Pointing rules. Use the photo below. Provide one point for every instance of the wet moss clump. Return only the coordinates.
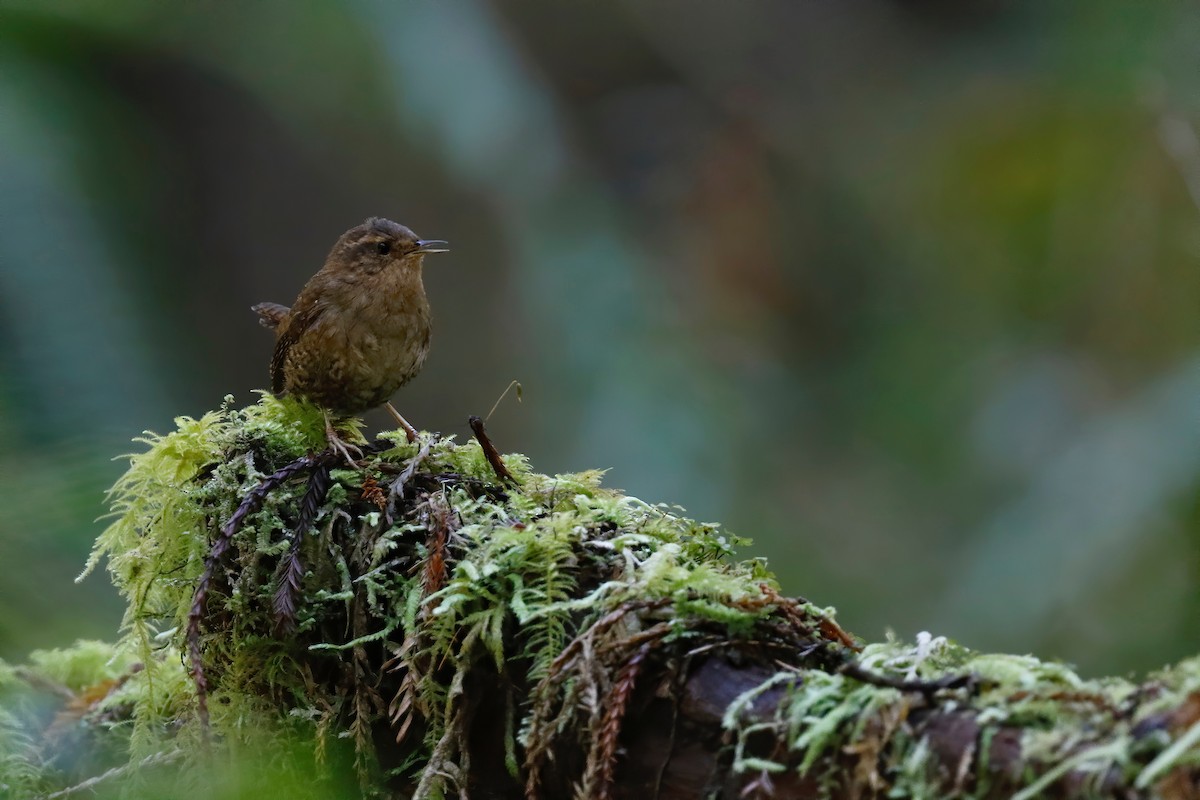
(413, 571)
(430, 622)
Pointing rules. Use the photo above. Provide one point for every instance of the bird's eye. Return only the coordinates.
(383, 248)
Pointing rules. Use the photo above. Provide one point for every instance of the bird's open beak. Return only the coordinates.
(432, 246)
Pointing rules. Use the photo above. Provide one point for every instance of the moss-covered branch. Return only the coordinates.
(416, 626)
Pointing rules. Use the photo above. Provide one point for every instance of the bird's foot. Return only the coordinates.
(341, 445)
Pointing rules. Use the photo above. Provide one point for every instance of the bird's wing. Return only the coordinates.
(289, 334)
(270, 315)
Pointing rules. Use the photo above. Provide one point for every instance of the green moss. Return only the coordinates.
(544, 591)
(526, 569)
(1092, 729)
(85, 664)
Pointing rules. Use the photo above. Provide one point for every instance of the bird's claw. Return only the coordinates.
(343, 447)
(347, 449)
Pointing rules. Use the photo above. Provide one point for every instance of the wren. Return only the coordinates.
(360, 327)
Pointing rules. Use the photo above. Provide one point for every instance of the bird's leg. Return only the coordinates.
(341, 445)
(408, 428)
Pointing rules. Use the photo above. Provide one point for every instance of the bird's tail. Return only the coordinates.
(270, 315)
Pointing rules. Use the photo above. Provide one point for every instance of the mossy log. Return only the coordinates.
(440, 621)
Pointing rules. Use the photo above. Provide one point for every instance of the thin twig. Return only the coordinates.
(165, 757)
(489, 450)
(396, 490)
(853, 669)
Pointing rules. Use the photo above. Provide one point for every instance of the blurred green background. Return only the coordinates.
(904, 291)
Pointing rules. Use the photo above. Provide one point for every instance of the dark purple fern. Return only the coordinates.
(291, 567)
(251, 503)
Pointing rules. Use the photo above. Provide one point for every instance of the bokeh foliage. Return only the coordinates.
(904, 290)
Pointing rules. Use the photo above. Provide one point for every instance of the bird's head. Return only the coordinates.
(380, 244)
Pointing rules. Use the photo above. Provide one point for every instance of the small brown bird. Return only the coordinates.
(360, 328)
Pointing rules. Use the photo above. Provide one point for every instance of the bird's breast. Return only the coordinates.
(363, 349)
